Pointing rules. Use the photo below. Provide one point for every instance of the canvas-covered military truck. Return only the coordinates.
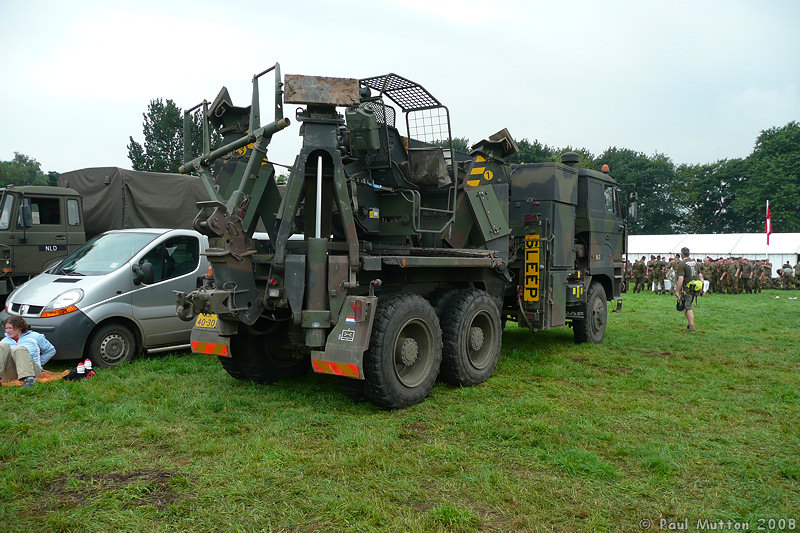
(41, 225)
(410, 256)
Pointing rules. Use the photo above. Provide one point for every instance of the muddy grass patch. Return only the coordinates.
(159, 488)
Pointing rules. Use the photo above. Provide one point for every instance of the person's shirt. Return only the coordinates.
(38, 346)
(688, 269)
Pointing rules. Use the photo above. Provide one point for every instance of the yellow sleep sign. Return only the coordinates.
(531, 281)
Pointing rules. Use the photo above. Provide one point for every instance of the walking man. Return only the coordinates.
(685, 292)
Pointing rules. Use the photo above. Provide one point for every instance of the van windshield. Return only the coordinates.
(103, 254)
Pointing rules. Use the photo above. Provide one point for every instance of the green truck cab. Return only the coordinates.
(39, 226)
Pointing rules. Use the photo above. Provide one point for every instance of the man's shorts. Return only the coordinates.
(686, 299)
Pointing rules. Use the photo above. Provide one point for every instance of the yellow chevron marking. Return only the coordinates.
(480, 159)
(473, 183)
(478, 170)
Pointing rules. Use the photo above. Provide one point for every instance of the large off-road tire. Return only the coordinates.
(592, 328)
(405, 351)
(112, 345)
(440, 299)
(263, 358)
(355, 389)
(472, 334)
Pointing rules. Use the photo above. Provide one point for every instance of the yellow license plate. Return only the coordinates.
(206, 321)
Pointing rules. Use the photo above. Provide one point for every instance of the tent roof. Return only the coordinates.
(715, 244)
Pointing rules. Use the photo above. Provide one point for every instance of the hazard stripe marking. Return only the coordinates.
(338, 369)
(210, 348)
(473, 183)
(478, 170)
(480, 159)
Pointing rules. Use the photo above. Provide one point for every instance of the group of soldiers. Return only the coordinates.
(725, 276)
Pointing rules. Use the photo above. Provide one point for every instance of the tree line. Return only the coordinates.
(726, 196)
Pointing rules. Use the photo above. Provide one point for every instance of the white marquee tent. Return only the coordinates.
(782, 246)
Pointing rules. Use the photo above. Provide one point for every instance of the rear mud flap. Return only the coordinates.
(349, 339)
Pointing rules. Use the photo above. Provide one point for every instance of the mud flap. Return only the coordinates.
(212, 336)
(348, 340)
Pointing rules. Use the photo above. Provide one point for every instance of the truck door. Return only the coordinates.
(74, 227)
(41, 241)
(176, 265)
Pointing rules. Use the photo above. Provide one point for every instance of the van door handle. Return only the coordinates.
(61, 237)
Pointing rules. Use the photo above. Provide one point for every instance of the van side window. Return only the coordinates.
(5, 211)
(73, 213)
(174, 257)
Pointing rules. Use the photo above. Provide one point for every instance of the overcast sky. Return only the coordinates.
(695, 80)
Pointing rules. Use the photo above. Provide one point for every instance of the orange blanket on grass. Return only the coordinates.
(44, 378)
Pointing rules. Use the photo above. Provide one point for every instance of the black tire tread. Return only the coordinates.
(379, 389)
(582, 327)
(455, 369)
(93, 345)
(253, 359)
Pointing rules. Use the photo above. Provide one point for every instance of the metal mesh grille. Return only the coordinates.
(429, 125)
(383, 113)
(408, 95)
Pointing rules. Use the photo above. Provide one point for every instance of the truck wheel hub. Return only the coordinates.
(409, 351)
(475, 338)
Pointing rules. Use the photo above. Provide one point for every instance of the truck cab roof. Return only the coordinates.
(41, 189)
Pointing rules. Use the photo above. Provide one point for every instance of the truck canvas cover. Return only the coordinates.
(116, 198)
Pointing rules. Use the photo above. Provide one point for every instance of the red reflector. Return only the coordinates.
(531, 218)
(358, 307)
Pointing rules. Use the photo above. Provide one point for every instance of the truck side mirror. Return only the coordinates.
(143, 273)
(26, 215)
(633, 206)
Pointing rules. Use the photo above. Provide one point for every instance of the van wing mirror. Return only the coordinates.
(143, 273)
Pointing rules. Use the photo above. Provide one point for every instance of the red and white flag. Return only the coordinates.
(768, 225)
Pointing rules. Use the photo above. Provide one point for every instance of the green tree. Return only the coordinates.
(24, 170)
(774, 174)
(706, 195)
(162, 150)
(652, 178)
(533, 152)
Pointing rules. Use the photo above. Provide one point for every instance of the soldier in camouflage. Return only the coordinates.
(688, 271)
(639, 274)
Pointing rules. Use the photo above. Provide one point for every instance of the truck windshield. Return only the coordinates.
(104, 254)
(6, 204)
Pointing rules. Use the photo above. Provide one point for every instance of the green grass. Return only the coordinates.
(652, 423)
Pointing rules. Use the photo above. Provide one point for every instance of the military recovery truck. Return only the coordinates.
(40, 225)
(392, 259)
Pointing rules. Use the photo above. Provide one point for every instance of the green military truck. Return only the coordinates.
(392, 259)
(41, 225)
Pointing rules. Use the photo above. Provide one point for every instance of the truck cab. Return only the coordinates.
(39, 226)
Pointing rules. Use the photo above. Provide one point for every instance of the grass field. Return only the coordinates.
(651, 424)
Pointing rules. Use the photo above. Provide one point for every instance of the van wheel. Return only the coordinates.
(112, 345)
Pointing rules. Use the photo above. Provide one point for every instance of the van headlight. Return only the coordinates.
(63, 303)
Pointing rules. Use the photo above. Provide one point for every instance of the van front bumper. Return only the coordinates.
(68, 333)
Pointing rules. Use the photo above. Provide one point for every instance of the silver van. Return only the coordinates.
(114, 296)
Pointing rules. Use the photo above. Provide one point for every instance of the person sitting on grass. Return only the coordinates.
(23, 352)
